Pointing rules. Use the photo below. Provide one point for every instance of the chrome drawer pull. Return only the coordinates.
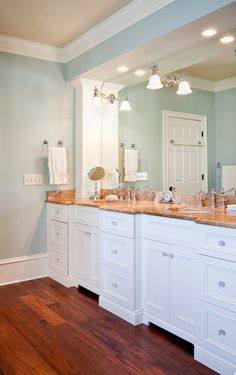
(88, 233)
(221, 284)
(58, 259)
(57, 212)
(221, 243)
(58, 234)
(221, 332)
(114, 252)
(114, 223)
(164, 254)
(171, 256)
(114, 285)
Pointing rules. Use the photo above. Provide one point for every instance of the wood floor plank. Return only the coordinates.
(46, 328)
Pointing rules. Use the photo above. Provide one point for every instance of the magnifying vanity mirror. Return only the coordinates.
(96, 174)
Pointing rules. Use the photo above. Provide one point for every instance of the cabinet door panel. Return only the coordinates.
(156, 279)
(183, 296)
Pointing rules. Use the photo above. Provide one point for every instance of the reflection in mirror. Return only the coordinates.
(96, 174)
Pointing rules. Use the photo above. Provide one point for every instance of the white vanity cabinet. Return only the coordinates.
(119, 261)
(216, 340)
(57, 242)
(169, 274)
(85, 247)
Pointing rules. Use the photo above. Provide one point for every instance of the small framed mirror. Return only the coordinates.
(96, 174)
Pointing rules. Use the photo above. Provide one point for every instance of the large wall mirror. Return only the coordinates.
(210, 66)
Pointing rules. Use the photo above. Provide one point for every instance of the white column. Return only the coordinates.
(96, 136)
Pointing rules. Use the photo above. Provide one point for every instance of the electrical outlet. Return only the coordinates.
(142, 176)
(32, 179)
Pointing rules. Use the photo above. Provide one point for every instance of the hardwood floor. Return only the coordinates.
(46, 328)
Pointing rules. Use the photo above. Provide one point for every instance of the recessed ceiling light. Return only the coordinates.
(227, 39)
(122, 69)
(139, 72)
(209, 32)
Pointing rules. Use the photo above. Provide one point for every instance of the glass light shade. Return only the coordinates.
(96, 101)
(184, 88)
(154, 82)
(125, 106)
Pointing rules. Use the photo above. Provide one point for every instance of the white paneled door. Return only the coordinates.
(184, 151)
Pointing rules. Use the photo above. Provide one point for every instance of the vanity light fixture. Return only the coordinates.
(227, 39)
(209, 32)
(98, 95)
(157, 80)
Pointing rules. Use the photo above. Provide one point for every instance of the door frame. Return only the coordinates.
(165, 155)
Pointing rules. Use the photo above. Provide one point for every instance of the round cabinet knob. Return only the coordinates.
(221, 332)
(58, 234)
(171, 256)
(221, 243)
(114, 251)
(164, 254)
(221, 284)
(115, 285)
(114, 223)
(57, 212)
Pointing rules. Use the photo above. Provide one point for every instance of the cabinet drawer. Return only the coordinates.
(57, 234)
(57, 212)
(118, 251)
(84, 215)
(218, 331)
(168, 230)
(217, 281)
(58, 261)
(221, 243)
(117, 286)
(117, 223)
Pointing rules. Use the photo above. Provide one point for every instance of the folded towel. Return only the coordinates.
(228, 177)
(57, 165)
(131, 165)
(231, 207)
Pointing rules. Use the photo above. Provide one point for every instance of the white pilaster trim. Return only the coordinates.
(125, 17)
(23, 268)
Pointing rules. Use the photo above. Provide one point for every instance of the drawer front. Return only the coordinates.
(58, 261)
(117, 223)
(57, 233)
(217, 280)
(57, 212)
(117, 286)
(84, 215)
(168, 230)
(118, 251)
(222, 242)
(218, 331)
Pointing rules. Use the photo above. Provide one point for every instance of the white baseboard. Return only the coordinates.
(214, 362)
(133, 317)
(14, 270)
(66, 281)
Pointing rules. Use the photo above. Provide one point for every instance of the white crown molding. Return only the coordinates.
(30, 49)
(214, 86)
(225, 84)
(125, 17)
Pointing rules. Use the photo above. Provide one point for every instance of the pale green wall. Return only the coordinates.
(143, 126)
(225, 110)
(35, 104)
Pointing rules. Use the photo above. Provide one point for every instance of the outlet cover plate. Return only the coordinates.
(32, 179)
(142, 176)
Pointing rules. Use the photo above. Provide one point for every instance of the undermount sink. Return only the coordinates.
(188, 210)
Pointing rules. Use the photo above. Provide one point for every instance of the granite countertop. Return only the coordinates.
(216, 216)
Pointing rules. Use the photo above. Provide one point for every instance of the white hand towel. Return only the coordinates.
(57, 165)
(228, 177)
(131, 164)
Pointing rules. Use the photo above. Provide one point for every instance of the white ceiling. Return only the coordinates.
(184, 49)
(54, 22)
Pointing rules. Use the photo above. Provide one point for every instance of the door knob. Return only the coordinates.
(172, 188)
